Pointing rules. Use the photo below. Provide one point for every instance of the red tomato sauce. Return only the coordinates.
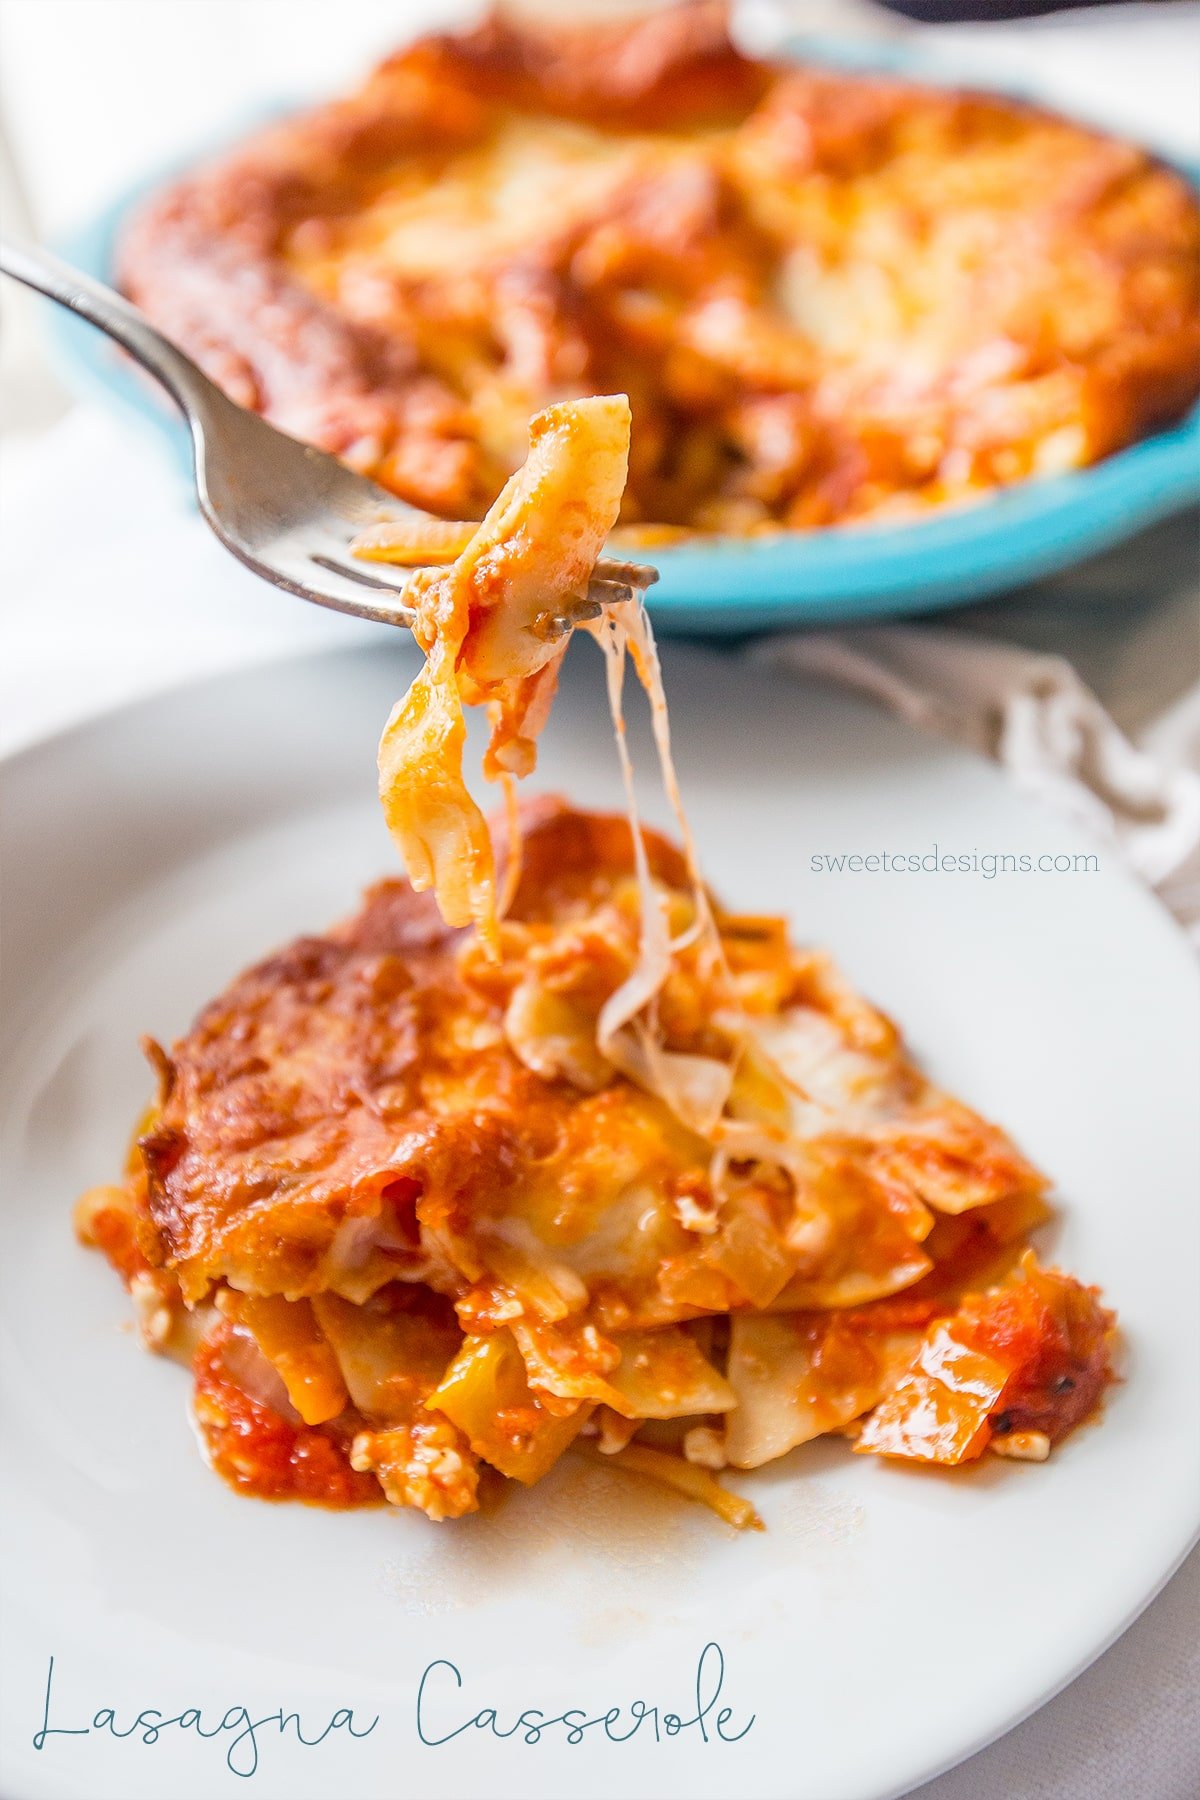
(112, 1231)
(259, 1452)
(1054, 1336)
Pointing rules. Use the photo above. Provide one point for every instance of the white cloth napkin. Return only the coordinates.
(1033, 715)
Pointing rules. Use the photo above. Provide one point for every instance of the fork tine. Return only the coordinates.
(364, 576)
(611, 583)
(608, 593)
(626, 574)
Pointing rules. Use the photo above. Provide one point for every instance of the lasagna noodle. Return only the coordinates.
(487, 625)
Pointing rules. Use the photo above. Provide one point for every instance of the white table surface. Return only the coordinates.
(110, 588)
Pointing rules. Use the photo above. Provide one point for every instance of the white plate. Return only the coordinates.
(888, 1622)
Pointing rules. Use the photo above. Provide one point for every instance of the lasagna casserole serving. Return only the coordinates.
(545, 1151)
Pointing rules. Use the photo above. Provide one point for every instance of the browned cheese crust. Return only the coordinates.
(829, 296)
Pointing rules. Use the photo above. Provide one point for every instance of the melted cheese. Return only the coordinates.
(530, 180)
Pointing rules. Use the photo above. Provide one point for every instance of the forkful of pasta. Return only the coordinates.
(305, 522)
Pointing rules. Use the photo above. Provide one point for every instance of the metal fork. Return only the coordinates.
(284, 509)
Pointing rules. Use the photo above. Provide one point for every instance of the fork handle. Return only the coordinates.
(111, 313)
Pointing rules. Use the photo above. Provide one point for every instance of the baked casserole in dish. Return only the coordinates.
(830, 296)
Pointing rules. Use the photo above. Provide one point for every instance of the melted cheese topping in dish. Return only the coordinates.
(545, 1150)
(829, 296)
